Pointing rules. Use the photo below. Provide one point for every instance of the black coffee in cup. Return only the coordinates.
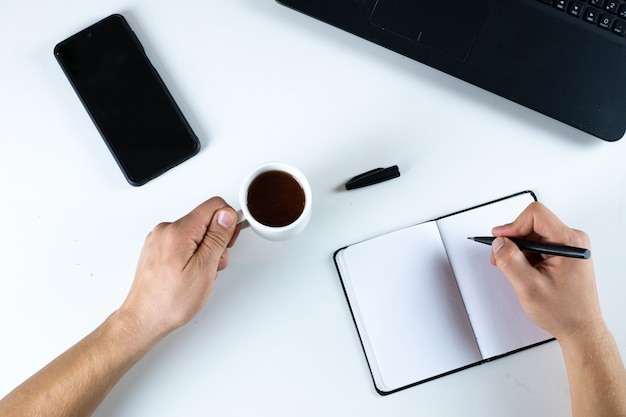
(275, 198)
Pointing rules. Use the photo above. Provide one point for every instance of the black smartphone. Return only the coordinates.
(127, 100)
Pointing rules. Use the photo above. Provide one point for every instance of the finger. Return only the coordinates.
(537, 222)
(223, 262)
(533, 258)
(199, 219)
(512, 262)
(235, 236)
(212, 250)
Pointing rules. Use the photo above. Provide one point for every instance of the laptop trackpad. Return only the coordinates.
(447, 26)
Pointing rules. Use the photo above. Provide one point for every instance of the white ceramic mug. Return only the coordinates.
(275, 232)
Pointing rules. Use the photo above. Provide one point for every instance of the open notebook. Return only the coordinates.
(426, 301)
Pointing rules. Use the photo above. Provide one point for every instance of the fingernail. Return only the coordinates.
(497, 244)
(225, 219)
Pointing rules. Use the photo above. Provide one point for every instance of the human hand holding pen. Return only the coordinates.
(560, 295)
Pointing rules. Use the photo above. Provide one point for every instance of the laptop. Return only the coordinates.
(563, 58)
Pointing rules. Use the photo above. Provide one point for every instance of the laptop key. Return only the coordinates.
(619, 28)
(597, 3)
(611, 6)
(576, 8)
(622, 11)
(606, 21)
(591, 15)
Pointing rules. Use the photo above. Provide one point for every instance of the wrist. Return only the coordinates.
(586, 340)
(144, 333)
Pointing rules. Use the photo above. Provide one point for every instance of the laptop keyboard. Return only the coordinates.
(607, 14)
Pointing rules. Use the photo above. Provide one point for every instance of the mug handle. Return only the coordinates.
(241, 219)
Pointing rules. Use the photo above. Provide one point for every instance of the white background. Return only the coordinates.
(261, 82)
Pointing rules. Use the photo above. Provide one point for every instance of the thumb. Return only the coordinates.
(218, 235)
(510, 260)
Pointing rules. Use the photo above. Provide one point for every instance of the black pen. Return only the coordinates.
(544, 248)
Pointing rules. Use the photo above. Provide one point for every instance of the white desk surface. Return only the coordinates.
(261, 82)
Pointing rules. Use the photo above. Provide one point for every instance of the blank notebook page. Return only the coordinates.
(407, 306)
(499, 322)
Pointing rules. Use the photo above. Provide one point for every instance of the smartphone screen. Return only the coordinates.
(127, 100)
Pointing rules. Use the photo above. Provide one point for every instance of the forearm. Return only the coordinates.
(596, 374)
(75, 383)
